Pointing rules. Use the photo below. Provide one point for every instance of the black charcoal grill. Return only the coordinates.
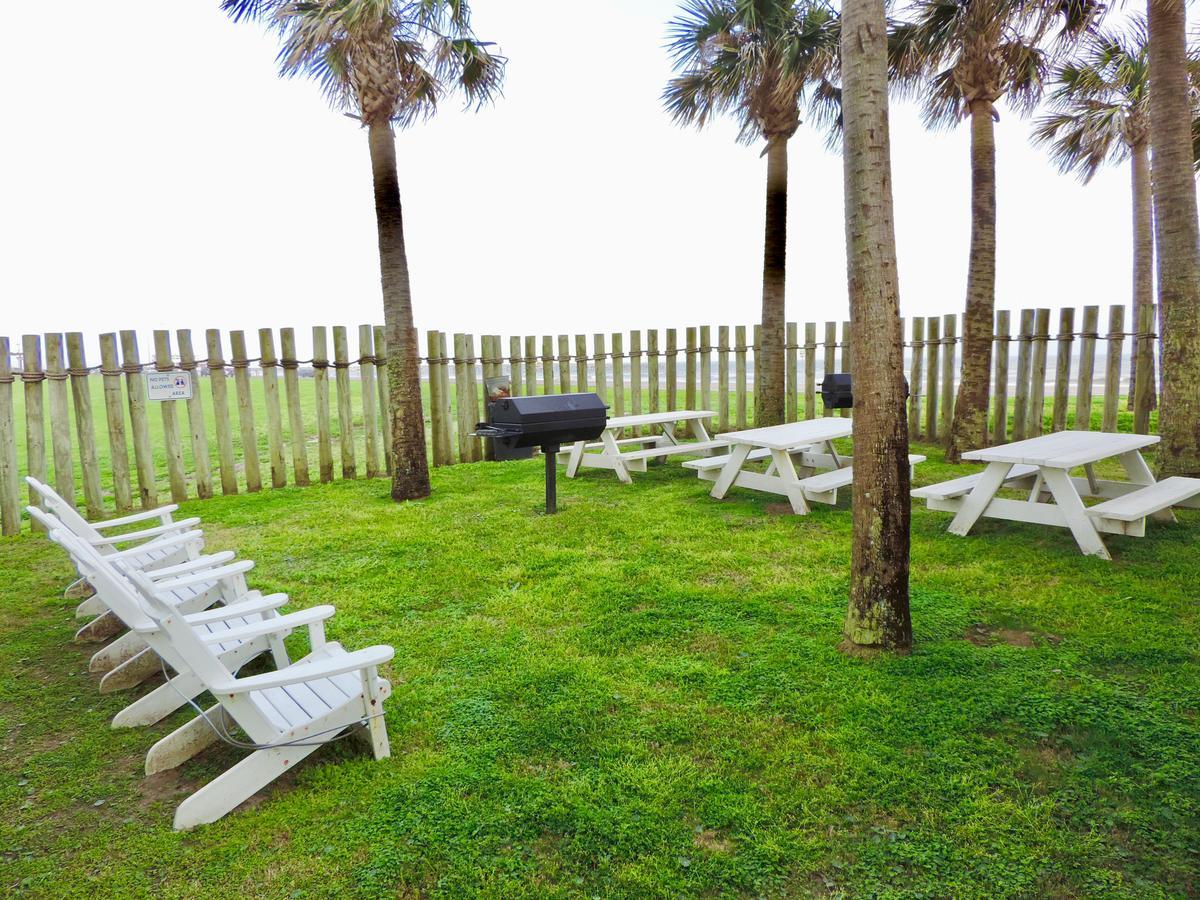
(548, 422)
(837, 391)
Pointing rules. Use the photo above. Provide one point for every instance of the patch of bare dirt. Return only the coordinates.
(779, 509)
(985, 636)
(712, 841)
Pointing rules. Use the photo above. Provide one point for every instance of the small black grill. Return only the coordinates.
(837, 391)
(548, 422)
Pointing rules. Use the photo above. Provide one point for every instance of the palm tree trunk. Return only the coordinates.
(968, 430)
(1174, 188)
(1143, 256)
(878, 615)
(768, 364)
(410, 468)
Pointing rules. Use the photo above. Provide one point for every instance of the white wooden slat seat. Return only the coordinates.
(823, 487)
(957, 487)
(717, 462)
(675, 449)
(1145, 501)
(286, 715)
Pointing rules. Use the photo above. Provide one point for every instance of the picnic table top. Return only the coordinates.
(791, 434)
(660, 418)
(1064, 449)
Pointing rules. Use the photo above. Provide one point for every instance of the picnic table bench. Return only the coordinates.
(1043, 466)
(610, 451)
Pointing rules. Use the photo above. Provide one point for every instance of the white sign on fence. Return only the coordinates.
(169, 385)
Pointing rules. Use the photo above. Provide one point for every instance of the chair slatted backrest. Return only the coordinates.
(66, 513)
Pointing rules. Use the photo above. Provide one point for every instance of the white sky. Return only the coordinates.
(159, 174)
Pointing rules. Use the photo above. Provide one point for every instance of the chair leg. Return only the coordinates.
(159, 703)
(99, 629)
(186, 741)
(376, 727)
(91, 607)
(132, 672)
(237, 785)
(78, 590)
(125, 647)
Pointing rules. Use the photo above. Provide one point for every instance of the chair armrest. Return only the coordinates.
(181, 525)
(272, 625)
(302, 671)
(163, 513)
(253, 603)
(163, 543)
(200, 562)
(205, 577)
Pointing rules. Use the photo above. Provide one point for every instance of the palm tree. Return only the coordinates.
(961, 57)
(1178, 237)
(878, 615)
(387, 63)
(755, 59)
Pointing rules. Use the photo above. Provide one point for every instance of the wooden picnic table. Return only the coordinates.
(610, 451)
(1043, 466)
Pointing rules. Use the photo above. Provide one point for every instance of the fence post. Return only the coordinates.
(706, 369)
(933, 341)
(756, 350)
(810, 370)
(915, 373)
(1036, 421)
(461, 389)
(792, 382)
(114, 414)
(320, 364)
(1002, 352)
(164, 362)
(601, 366)
(135, 389)
(240, 362)
(1087, 365)
(635, 372)
(385, 393)
(652, 367)
(291, 384)
(564, 365)
(10, 497)
(345, 403)
(447, 428)
(672, 372)
(1143, 390)
(739, 351)
(1021, 411)
(530, 365)
(516, 374)
(581, 363)
(60, 418)
(366, 379)
(1062, 368)
(723, 378)
(85, 427)
(689, 369)
(949, 346)
(220, 398)
(197, 433)
(618, 373)
(439, 406)
(270, 377)
(32, 378)
(1112, 374)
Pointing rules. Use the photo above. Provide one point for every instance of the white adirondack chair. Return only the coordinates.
(236, 633)
(148, 552)
(286, 714)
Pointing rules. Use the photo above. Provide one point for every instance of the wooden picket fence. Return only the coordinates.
(635, 372)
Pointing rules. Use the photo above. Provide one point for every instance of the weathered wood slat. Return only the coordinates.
(916, 370)
(473, 398)
(672, 369)
(792, 382)
(345, 402)
(114, 415)
(1062, 368)
(85, 427)
(1003, 347)
(164, 362)
(756, 357)
(320, 364)
(1143, 389)
(1087, 365)
(197, 432)
(370, 410)
(705, 369)
(270, 377)
(618, 373)
(531, 385)
(1024, 365)
(32, 379)
(635, 371)
(447, 420)
(600, 361)
(564, 364)
(653, 364)
(949, 370)
(239, 359)
(1112, 369)
(516, 371)
(847, 361)
(220, 397)
(689, 368)
(439, 406)
(60, 417)
(1037, 377)
(933, 342)
(740, 350)
(291, 386)
(10, 492)
(723, 378)
(135, 390)
(581, 363)
(810, 370)
(384, 389)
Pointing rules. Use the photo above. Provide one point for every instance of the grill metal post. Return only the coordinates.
(550, 451)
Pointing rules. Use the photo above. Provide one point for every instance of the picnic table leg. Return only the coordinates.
(1093, 486)
(575, 459)
(1036, 491)
(981, 495)
(698, 430)
(729, 472)
(1069, 501)
(612, 451)
(791, 483)
(1139, 473)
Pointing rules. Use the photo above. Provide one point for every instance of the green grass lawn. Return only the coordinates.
(642, 697)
